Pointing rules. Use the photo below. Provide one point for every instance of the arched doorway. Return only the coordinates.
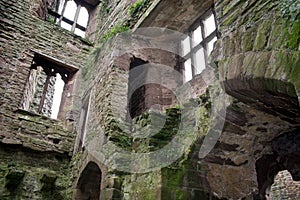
(89, 183)
(284, 187)
(286, 156)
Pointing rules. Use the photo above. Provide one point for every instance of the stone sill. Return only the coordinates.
(26, 112)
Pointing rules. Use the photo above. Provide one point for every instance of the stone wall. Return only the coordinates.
(249, 58)
(35, 150)
(107, 81)
(22, 32)
(256, 57)
(284, 187)
(260, 40)
(39, 80)
(27, 174)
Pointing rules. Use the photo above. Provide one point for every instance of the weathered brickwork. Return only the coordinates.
(252, 62)
(257, 41)
(39, 80)
(256, 58)
(28, 174)
(35, 150)
(258, 62)
(22, 32)
(19, 36)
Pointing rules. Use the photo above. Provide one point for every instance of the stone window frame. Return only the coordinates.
(61, 18)
(203, 44)
(51, 66)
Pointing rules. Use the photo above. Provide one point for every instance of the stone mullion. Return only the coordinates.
(62, 12)
(204, 44)
(44, 93)
(76, 18)
(192, 53)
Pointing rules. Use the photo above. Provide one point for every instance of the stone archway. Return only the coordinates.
(89, 183)
(279, 134)
(284, 187)
(286, 156)
(260, 138)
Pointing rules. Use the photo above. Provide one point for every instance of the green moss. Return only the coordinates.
(294, 36)
(138, 7)
(122, 141)
(248, 40)
(145, 186)
(230, 19)
(136, 11)
(230, 7)
(51, 20)
(34, 177)
(118, 28)
(263, 33)
(295, 74)
(278, 34)
(13, 179)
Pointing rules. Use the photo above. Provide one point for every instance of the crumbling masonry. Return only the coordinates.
(111, 96)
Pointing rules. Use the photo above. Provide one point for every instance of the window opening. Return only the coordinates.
(73, 15)
(89, 183)
(47, 85)
(58, 90)
(137, 98)
(68, 12)
(83, 120)
(197, 47)
(82, 21)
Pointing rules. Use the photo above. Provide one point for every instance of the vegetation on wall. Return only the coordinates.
(143, 124)
(118, 28)
(136, 10)
(137, 7)
(290, 9)
(105, 6)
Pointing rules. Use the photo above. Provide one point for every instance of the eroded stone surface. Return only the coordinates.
(256, 57)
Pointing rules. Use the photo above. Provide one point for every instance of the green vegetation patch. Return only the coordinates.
(118, 28)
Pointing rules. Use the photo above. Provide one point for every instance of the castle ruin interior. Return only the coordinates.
(149, 99)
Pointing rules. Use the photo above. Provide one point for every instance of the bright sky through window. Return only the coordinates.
(197, 47)
(59, 87)
(69, 13)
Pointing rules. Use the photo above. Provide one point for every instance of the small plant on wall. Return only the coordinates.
(137, 9)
